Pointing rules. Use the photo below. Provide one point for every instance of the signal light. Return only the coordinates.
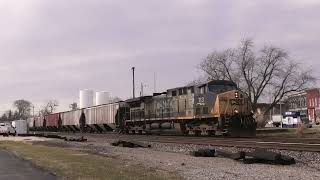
(236, 94)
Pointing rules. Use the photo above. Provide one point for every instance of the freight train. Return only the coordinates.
(217, 107)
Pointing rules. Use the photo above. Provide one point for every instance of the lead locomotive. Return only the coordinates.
(214, 108)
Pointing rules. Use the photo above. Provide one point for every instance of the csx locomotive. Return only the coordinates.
(214, 108)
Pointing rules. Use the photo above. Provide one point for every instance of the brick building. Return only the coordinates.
(313, 104)
(306, 102)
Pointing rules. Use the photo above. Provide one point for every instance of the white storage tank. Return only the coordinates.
(102, 97)
(86, 98)
(21, 127)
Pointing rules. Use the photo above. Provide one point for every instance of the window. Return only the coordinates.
(221, 88)
(192, 90)
(185, 91)
(203, 90)
(313, 102)
(174, 93)
(180, 92)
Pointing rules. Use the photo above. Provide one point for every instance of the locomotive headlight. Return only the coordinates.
(236, 94)
(236, 111)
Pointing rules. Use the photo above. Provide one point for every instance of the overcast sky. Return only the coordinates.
(52, 48)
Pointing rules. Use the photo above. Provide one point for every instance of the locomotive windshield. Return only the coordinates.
(221, 88)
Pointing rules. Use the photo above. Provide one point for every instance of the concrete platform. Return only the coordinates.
(11, 167)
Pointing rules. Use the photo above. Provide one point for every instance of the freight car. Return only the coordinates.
(101, 118)
(214, 108)
(36, 123)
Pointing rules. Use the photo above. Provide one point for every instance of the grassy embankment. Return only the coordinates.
(72, 164)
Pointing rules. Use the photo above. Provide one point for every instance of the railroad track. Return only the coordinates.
(294, 144)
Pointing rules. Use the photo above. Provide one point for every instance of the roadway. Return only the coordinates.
(12, 167)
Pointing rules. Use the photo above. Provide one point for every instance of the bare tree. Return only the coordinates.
(52, 105)
(256, 73)
(23, 108)
(49, 107)
(44, 111)
(73, 106)
(4, 117)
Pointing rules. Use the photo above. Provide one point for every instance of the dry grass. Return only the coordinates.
(300, 131)
(72, 164)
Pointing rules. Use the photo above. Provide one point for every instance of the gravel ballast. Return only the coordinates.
(176, 158)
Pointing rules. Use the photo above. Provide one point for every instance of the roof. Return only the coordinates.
(212, 82)
(222, 82)
(137, 99)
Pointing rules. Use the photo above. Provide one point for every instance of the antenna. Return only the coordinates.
(154, 82)
(142, 89)
(133, 86)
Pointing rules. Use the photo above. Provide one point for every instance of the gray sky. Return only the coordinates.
(52, 48)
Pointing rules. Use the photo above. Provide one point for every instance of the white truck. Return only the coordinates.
(6, 129)
(20, 126)
(277, 120)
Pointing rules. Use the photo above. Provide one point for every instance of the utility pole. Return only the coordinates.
(133, 86)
